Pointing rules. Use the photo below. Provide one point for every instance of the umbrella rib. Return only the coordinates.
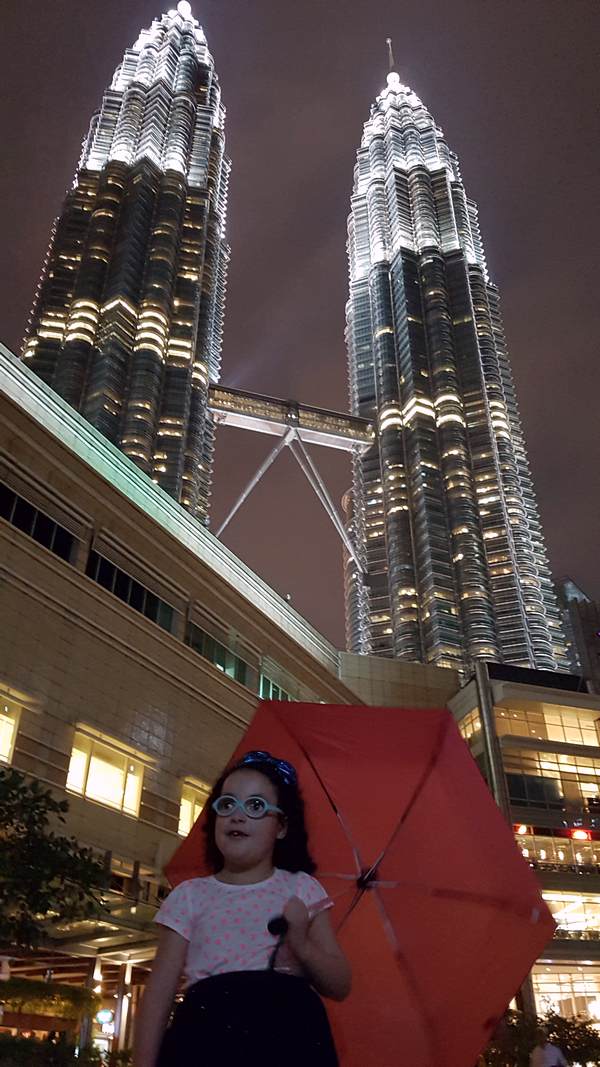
(337, 811)
(428, 1020)
(431, 763)
(463, 895)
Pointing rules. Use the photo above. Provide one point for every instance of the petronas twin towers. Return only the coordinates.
(127, 326)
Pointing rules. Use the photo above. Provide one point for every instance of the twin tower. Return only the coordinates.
(448, 561)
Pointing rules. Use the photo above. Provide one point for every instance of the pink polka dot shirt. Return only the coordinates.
(226, 925)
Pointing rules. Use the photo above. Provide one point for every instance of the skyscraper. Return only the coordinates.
(128, 317)
(442, 506)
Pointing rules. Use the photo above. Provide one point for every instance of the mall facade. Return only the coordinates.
(536, 738)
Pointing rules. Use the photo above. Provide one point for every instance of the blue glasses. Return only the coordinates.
(254, 807)
(285, 770)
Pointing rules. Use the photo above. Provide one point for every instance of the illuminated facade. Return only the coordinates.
(128, 317)
(535, 736)
(442, 507)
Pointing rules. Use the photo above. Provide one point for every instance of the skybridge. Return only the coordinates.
(295, 425)
(267, 414)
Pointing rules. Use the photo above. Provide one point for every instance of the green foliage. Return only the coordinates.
(578, 1040)
(516, 1037)
(25, 995)
(26, 1052)
(43, 875)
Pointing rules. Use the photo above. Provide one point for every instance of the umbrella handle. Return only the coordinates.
(278, 927)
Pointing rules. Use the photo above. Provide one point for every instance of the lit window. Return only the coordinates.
(9, 724)
(106, 774)
(193, 798)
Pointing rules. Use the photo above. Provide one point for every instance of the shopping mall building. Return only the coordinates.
(134, 650)
(536, 737)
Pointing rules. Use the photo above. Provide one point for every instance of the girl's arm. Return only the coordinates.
(315, 946)
(153, 1013)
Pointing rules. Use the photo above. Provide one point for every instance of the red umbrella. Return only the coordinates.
(440, 916)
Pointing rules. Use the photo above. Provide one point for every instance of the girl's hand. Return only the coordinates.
(314, 945)
(298, 920)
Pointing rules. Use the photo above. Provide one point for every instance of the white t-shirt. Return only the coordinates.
(226, 925)
(548, 1056)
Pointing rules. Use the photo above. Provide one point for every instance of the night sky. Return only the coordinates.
(514, 85)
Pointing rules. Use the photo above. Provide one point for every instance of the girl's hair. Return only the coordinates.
(291, 852)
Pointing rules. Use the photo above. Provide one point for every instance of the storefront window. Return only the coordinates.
(558, 851)
(567, 990)
(99, 772)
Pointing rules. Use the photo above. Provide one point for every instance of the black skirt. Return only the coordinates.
(250, 1018)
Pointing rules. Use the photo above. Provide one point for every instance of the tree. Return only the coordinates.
(515, 1038)
(579, 1041)
(44, 877)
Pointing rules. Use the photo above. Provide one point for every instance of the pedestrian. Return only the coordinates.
(545, 1054)
(252, 986)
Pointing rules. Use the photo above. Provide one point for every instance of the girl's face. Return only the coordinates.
(244, 842)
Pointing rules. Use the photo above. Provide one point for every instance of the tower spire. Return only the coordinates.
(391, 60)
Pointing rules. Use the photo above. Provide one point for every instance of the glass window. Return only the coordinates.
(241, 671)
(44, 529)
(576, 915)
(122, 586)
(270, 691)
(91, 568)
(470, 727)
(551, 850)
(193, 798)
(9, 724)
(222, 657)
(164, 617)
(35, 523)
(136, 596)
(130, 591)
(106, 574)
(23, 515)
(577, 726)
(151, 606)
(550, 780)
(99, 772)
(62, 544)
(7, 501)
(569, 990)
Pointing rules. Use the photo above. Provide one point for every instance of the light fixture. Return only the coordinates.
(580, 835)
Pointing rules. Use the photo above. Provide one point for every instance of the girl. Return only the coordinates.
(250, 992)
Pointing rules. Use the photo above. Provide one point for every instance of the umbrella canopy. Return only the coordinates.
(439, 914)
